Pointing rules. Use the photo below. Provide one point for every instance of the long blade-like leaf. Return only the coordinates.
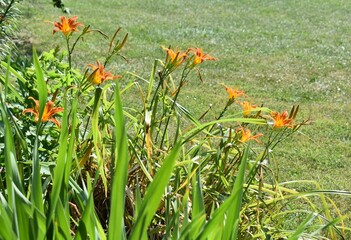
(41, 84)
(116, 221)
(13, 180)
(233, 216)
(300, 229)
(233, 202)
(97, 135)
(154, 194)
(197, 198)
(59, 171)
(6, 231)
(36, 194)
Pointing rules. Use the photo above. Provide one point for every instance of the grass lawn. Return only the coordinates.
(282, 53)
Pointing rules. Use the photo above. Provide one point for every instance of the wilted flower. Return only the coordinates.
(99, 75)
(246, 135)
(248, 107)
(281, 120)
(49, 112)
(148, 139)
(66, 26)
(175, 57)
(199, 56)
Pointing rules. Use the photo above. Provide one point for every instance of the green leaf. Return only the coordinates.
(36, 194)
(59, 171)
(193, 229)
(13, 71)
(231, 206)
(300, 229)
(197, 198)
(25, 218)
(233, 216)
(5, 81)
(154, 194)
(151, 82)
(97, 135)
(41, 84)
(116, 221)
(89, 226)
(6, 231)
(62, 222)
(198, 128)
(14, 186)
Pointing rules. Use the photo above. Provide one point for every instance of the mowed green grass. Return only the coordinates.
(282, 53)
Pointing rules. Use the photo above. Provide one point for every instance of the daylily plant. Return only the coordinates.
(248, 107)
(246, 135)
(281, 120)
(174, 57)
(234, 93)
(49, 112)
(67, 26)
(199, 56)
(99, 75)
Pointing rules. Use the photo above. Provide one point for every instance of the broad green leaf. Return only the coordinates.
(193, 229)
(41, 84)
(197, 197)
(59, 171)
(116, 229)
(6, 231)
(97, 135)
(62, 222)
(36, 185)
(233, 215)
(24, 220)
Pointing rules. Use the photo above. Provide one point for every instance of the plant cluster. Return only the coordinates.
(77, 164)
(9, 14)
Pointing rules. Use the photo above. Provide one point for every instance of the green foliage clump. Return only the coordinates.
(9, 14)
(78, 164)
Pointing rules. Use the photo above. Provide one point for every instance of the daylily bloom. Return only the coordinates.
(199, 56)
(281, 120)
(99, 75)
(66, 26)
(174, 57)
(248, 107)
(49, 111)
(233, 93)
(246, 135)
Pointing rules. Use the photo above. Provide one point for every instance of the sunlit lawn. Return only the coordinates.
(284, 52)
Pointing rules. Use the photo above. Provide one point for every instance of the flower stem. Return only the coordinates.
(185, 74)
(69, 54)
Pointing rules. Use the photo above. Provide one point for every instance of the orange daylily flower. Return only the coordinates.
(246, 135)
(281, 120)
(233, 93)
(175, 57)
(199, 56)
(248, 107)
(66, 26)
(99, 75)
(49, 111)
